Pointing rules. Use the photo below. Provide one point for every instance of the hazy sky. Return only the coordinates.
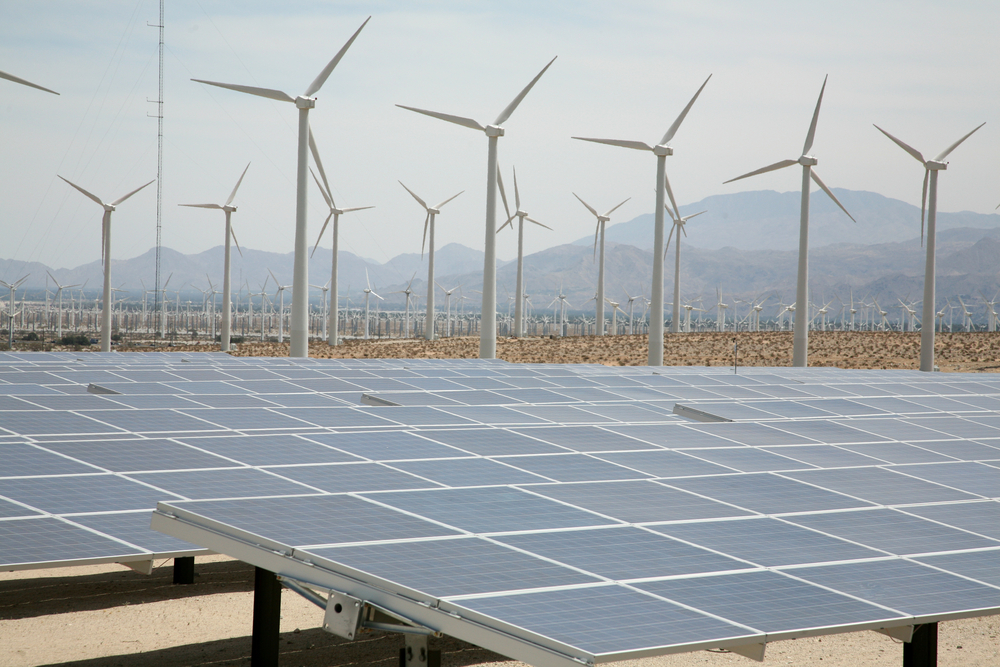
(927, 71)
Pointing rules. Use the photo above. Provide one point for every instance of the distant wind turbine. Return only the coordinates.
(931, 169)
(281, 305)
(679, 227)
(599, 235)
(368, 292)
(800, 346)
(227, 306)
(106, 258)
(59, 289)
(432, 212)
(488, 323)
(661, 151)
(300, 280)
(521, 217)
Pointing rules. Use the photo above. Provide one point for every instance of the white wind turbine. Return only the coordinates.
(281, 305)
(931, 169)
(228, 209)
(599, 235)
(409, 293)
(679, 227)
(661, 151)
(432, 212)
(331, 331)
(369, 292)
(106, 258)
(521, 217)
(488, 324)
(300, 280)
(59, 289)
(800, 346)
(447, 299)
(324, 289)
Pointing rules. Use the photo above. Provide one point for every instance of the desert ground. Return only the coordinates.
(101, 615)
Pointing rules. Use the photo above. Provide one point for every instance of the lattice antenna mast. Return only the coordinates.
(161, 330)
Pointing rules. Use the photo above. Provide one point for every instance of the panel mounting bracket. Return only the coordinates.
(752, 651)
(903, 633)
(369, 399)
(697, 415)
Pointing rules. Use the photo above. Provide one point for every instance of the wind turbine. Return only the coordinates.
(59, 289)
(488, 326)
(300, 281)
(800, 346)
(331, 332)
(447, 295)
(599, 233)
(369, 292)
(661, 151)
(106, 258)
(281, 305)
(432, 212)
(521, 217)
(323, 288)
(931, 169)
(227, 306)
(23, 82)
(409, 293)
(679, 227)
(12, 287)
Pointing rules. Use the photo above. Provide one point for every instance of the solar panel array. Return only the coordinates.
(566, 505)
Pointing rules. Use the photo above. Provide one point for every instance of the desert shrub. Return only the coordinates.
(74, 339)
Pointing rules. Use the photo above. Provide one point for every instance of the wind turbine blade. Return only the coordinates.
(252, 90)
(419, 200)
(637, 145)
(503, 196)
(822, 185)
(232, 195)
(906, 147)
(680, 119)
(943, 154)
(615, 208)
(168, 281)
(377, 296)
(505, 114)
(356, 208)
(537, 223)
(507, 223)
(423, 243)
(201, 206)
(670, 236)
(325, 223)
(321, 79)
(812, 126)
(670, 194)
(369, 282)
(319, 165)
(17, 79)
(597, 230)
(923, 205)
(233, 232)
(764, 170)
(123, 198)
(94, 197)
(517, 194)
(458, 120)
(447, 200)
(322, 190)
(589, 207)
(693, 215)
(273, 276)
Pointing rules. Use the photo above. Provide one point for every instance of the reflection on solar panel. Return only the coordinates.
(564, 513)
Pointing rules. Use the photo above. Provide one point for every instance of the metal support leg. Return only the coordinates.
(921, 650)
(184, 570)
(416, 653)
(266, 619)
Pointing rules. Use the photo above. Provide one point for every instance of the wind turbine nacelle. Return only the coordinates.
(305, 102)
(934, 165)
(808, 161)
(661, 150)
(108, 208)
(494, 131)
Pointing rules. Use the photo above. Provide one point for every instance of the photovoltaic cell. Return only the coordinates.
(84, 493)
(825, 456)
(979, 565)
(584, 438)
(750, 459)
(133, 527)
(231, 483)
(572, 468)
(766, 493)
(752, 434)
(963, 450)
(661, 463)
(975, 478)
(465, 566)
(151, 421)
(386, 445)
(979, 517)
(469, 472)
(897, 452)
(20, 460)
(136, 455)
(41, 422)
(49, 540)
(491, 442)
(879, 485)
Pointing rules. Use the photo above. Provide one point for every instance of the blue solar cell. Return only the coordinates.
(239, 400)
(465, 566)
(469, 472)
(572, 468)
(895, 532)
(163, 402)
(591, 619)
(622, 553)
(975, 478)
(564, 414)
(638, 501)
(905, 586)
(766, 493)
(262, 450)
(751, 434)
(963, 450)
(136, 455)
(231, 483)
(9, 509)
(22, 459)
(44, 422)
(879, 485)
(897, 452)
(71, 402)
(978, 517)
(316, 520)
(896, 429)
(49, 540)
(766, 542)
(345, 477)
(415, 398)
(492, 414)
(153, 421)
(828, 432)
(387, 445)
(768, 601)
(825, 456)
(491, 442)
(980, 565)
(958, 427)
(85, 493)
(246, 419)
(750, 459)
(133, 527)
(585, 438)
(490, 510)
(661, 463)
(421, 416)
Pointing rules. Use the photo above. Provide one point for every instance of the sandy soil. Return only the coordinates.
(108, 615)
